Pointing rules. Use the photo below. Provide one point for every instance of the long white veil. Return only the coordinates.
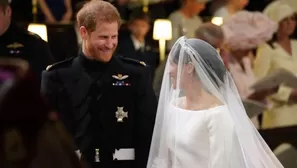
(194, 64)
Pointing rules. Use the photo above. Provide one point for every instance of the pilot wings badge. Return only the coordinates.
(15, 48)
(120, 80)
(15, 45)
(120, 76)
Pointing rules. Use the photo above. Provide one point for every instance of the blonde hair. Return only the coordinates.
(97, 11)
(210, 33)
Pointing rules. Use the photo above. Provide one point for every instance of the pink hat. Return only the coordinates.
(246, 30)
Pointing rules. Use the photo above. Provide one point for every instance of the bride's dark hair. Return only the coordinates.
(214, 66)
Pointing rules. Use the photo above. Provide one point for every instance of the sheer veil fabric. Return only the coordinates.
(197, 84)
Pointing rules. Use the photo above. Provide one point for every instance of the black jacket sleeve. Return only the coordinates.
(55, 93)
(42, 56)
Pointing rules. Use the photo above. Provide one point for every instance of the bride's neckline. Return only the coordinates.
(201, 110)
(180, 103)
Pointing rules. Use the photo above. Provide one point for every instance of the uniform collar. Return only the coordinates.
(12, 30)
(92, 65)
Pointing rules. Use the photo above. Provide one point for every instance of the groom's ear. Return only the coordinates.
(190, 68)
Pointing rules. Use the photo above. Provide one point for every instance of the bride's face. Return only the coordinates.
(185, 75)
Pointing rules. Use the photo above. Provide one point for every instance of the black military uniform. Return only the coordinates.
(108, 107)
(20, 43)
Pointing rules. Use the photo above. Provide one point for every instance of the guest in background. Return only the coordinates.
(17, 42)
(292, 3)
(78, 6)
(31, 135)
(230, 7)
(56, 11)
(244, 31)
(122, 7)
(280, 52)
(185, 21)
(211, 33)
(22, 11)
(134, 45)
(214, 35)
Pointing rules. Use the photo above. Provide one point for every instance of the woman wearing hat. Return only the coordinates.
(279, 52)
(230, 7)
(244, 31)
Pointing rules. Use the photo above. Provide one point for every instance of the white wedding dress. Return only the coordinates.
(220, 135)
(203, 139)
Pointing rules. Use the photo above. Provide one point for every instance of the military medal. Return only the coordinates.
(120, 83)
(97, 159)
(121, 114)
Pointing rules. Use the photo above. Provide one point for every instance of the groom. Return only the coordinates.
(105, 101)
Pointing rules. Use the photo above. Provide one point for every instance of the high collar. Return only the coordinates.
(12, 30)
(92, 65)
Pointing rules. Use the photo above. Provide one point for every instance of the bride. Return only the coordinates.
(201, 121)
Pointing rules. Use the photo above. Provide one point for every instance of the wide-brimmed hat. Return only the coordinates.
(278, 10)
(246, 30)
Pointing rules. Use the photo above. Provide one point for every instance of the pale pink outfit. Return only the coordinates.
(246, 30)
(243, 79)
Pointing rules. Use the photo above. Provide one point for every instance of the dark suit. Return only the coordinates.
(127, 49)
(88, 95)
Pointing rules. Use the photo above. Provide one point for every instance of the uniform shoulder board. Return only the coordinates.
(58, 64)
(133, 61)
(34, 35)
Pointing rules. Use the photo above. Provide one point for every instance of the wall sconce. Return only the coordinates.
(162, 31)
(39, 29)
(217, 21)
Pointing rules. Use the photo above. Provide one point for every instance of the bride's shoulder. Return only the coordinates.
(214, 102)
(218, 105)
(215, 105)
(220, 114)
(217, 108)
